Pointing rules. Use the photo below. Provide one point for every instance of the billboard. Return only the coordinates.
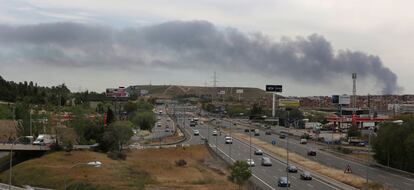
(117, 92)
(273, 88)
(335, 99)
(222, 92)
(239, 91)
(144, 92)
(289, 103)
(344, 99)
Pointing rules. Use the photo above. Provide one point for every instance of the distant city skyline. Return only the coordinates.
(309, 47)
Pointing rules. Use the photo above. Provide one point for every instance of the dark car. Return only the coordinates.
(306, 176)
(251, 130)
(283, 182)
(258, 152)
(246, 130)
(282, 136)
(268, 133)
(292, 169)
(311, 153)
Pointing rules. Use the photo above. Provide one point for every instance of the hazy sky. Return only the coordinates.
(311, 47)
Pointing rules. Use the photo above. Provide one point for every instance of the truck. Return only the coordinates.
(256, 132)
(45, 139)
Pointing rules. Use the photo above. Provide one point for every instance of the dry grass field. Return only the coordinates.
(143, 169)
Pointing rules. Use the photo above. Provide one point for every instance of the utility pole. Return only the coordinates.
(214, 86)
(287, 150)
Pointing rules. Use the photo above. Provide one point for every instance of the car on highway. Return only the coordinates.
(246, 130)
(251, 130)
(228, 140)
(258, 152)
(292, 169)
(305, 176)
(266, 161)
(282, 136)
(250, 162)
(283, 182)
(214, 133)
(303, 141)
(256, 132)
(268, 132)
(196, 132)
(311, 152)
(167, 130)
(159, 124)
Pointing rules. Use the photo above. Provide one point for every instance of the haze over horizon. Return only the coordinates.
(88, 46)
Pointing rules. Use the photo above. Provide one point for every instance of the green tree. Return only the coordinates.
(130, 107)
(239, 173)
(145, 120)
(353, 132)
(116, 136)
(256, 110)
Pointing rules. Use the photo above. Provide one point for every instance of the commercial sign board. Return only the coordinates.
(273, 88)
(344, 99)
(222, 92)
(239, 91)
(144, 92)
(117, 92)
(335, 99)
(289, 103)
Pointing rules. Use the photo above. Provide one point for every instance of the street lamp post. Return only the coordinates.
(95, 164)
(11, 160)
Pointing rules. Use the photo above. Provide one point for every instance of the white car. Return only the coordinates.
(214, 133)
(228, 140)
(196, 132)
(250, 162)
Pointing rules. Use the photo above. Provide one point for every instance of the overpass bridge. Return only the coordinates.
(23, 147)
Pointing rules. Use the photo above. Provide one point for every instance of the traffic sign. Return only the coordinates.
(273, 88)
(348, 169)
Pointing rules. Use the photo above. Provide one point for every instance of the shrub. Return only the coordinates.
(181, 163)
(116, 155)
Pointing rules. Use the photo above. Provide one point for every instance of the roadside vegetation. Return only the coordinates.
(394, 144)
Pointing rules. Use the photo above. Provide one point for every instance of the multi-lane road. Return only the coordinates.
(267, 176)
(374, 174)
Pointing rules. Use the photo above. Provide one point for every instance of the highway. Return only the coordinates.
(266, 176)
(374, 174)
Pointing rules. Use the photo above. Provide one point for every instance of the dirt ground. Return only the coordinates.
(143, 169)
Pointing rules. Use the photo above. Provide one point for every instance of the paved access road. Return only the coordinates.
(374, 174)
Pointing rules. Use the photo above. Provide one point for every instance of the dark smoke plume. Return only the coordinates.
(195, 44)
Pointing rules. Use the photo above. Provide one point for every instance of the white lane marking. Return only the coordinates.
(309, 185)
(252, 175)
(293, 177)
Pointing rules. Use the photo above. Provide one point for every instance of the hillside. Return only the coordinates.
(174, 90)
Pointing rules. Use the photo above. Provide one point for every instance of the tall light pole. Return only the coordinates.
(11, 160)
(95, 164)
(287, 150)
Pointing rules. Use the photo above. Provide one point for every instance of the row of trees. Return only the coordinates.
(30, 92)
(394, 144)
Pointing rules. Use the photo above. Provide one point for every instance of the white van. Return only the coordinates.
(44, 139)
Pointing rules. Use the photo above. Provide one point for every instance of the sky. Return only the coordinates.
(310, 47)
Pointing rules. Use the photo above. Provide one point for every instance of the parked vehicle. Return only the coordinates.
(306, 176)
(283, 182)
(266, 161)
(44, 139)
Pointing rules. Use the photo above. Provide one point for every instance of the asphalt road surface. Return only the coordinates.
(374, 174)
